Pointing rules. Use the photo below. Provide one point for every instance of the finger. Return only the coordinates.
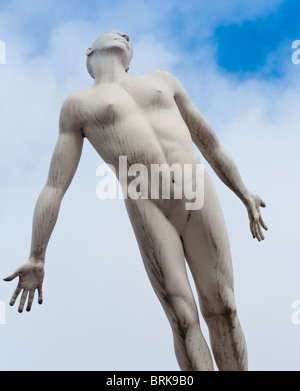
(30, 300)
(12, 276)
(15, 295)
(262, 223)
(40, 292)
(252, 230)
(261, 235)
(262, 204)
(23, 299)
(256, 232)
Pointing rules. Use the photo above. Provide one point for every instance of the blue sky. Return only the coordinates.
(245, 47)
(234, 59)
(242, 44)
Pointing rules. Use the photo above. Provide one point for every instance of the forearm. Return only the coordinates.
(219, 159)
(226, 169)
(44, 219)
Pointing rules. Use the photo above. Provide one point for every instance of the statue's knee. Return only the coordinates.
(223, 314)
(221, 303)
(183, 316)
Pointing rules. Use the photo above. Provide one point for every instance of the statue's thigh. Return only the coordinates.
(163, 256)
(208, 254)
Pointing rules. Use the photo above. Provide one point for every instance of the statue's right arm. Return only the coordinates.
(63, 166)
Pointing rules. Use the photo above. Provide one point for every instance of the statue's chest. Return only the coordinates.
(118, 102)
(149, 95)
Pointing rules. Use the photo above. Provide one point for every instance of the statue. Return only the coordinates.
(151, 120)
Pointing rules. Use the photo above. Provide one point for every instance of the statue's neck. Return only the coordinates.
(108, 69)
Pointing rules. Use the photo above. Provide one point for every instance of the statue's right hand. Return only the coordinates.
(31, 277)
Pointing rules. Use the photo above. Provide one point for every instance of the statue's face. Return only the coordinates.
(115, 40)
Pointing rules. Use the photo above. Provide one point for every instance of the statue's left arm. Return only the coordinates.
(205, 138)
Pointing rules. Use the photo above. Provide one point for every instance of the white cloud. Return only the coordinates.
(150, 54)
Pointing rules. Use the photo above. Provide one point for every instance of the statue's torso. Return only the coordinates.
(137, 118)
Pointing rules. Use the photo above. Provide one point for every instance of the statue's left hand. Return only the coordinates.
(253, 205)
(31, 277)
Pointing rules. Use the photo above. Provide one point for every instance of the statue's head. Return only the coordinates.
(113, 43)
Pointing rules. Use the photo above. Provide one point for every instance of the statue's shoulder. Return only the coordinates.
(163, 76)
(76, 99)
(160, 74)
(75, 104)
(73, 110)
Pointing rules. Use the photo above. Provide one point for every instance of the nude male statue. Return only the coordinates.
(150, 119)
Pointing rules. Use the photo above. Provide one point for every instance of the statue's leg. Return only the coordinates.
(208, 254)
(163, 257)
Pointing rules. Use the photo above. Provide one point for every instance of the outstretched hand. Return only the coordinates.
(253, 205)
(31, 277)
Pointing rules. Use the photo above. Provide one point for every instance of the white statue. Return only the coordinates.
(151, 120)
